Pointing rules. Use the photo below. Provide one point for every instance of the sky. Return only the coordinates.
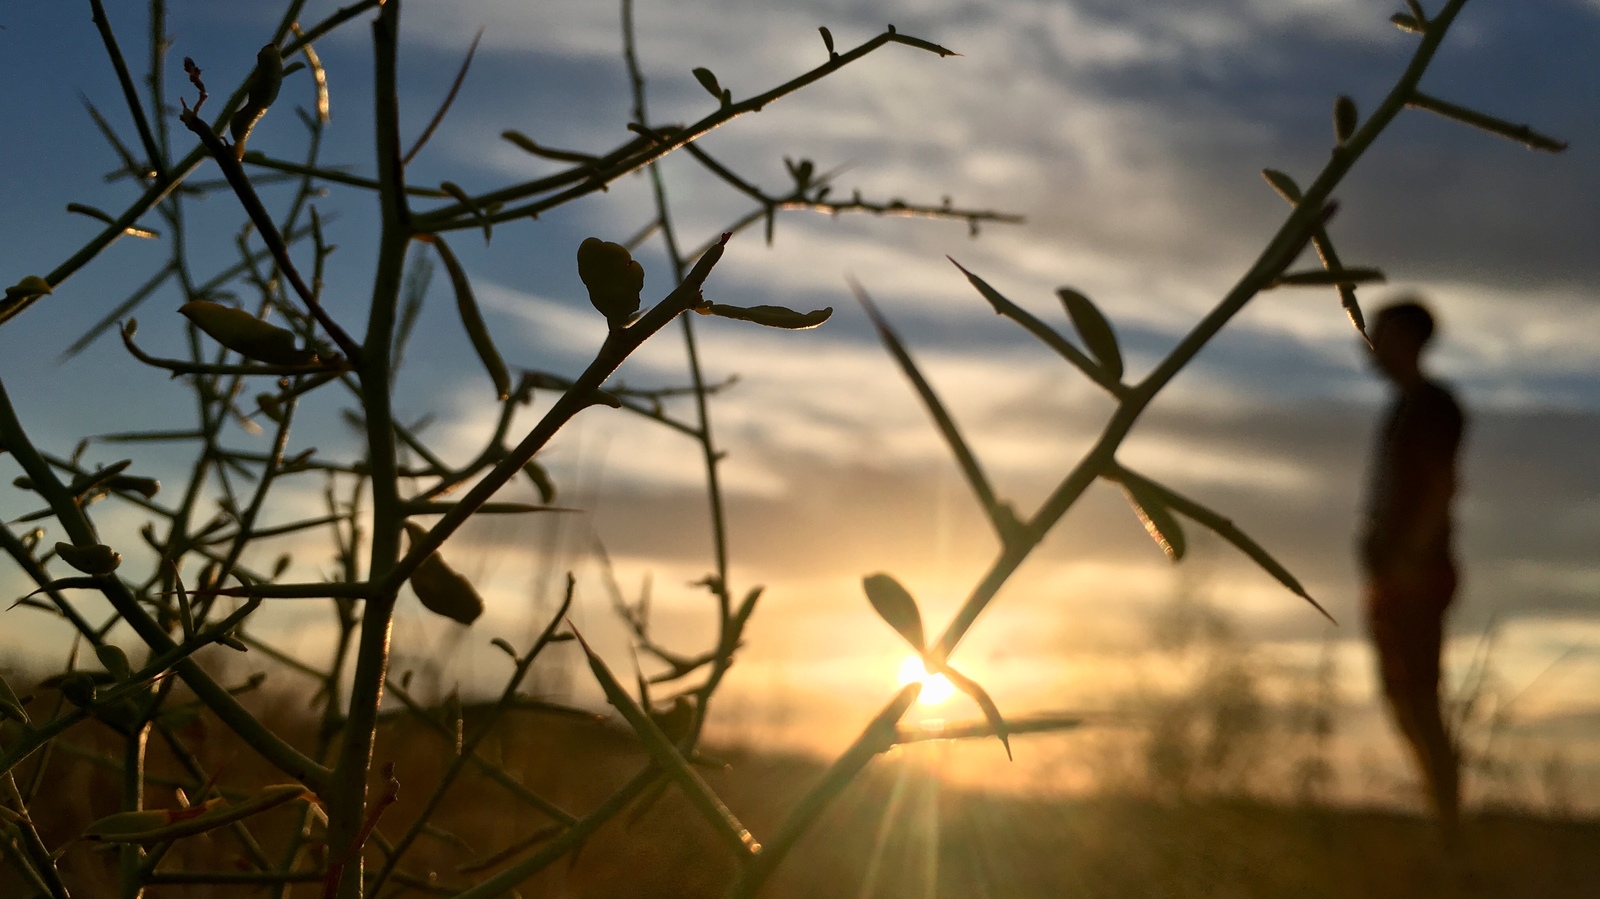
(1129, 136)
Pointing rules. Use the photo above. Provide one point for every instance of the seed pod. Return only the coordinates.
(245, 334)
(98, 560)
(1344, 118)
(613, 277)
(78, 687)
(827, 41)
(115, 660)
(440, 588)
(770, 316)
(472, 320)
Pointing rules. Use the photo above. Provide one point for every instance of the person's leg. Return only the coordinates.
(1436, 746)
(1429, 736)
(1407, 633)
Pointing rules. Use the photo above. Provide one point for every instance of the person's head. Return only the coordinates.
(1399, 332)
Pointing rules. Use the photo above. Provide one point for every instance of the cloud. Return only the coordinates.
(1140, 187)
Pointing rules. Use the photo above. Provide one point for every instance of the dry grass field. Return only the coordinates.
(897, 833)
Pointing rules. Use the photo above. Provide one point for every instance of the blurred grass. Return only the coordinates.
(898, 833)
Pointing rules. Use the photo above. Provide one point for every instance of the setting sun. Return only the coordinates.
(935, 689)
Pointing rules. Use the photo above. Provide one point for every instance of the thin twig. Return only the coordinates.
(449, 98)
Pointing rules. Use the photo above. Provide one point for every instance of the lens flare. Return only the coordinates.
(935, 688)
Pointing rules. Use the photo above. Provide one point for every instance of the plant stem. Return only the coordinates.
(347, 801)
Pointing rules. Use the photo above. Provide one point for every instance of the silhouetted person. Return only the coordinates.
(1406, 549)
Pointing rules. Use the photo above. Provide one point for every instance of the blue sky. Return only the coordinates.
(1129, 135)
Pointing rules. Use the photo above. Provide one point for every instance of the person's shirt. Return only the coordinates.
(1413, 480)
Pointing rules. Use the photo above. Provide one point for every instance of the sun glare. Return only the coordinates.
(935, 689)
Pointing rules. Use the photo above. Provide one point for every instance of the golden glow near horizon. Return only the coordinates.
(935, 689)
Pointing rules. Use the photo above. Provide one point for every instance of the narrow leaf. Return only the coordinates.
(976, 479)
(1037, 328)
(66, 583)
(991, 712)
(528, 145)
(90, 480)
(895, 605)
(1406, 23)
(1227, 530)
(1094, 329)
(1324, 277)
(746, 608)
(541, 481)
(708, 81)
(666, 755)
(1157, 520)
(523, 142)
(413, 293)
(11, 706)
(460, 196)
(827, 40)
(170, 824)
(1344, 118)
(103, 216)
(472, 320)
(967, 730)
(770, 316)
(1283, 184)
(98, 559)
